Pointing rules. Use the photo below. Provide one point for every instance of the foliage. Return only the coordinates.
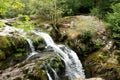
(86, 36)
(73, 7)
(95, 12)
(24, 24)
(101, 7)
(2, 55)
(1, 24)
(10, 7)
(114, 21)
(50, 8)
(97, 44)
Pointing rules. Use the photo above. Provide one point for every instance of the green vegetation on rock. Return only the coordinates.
(24, 23)
(2, 55)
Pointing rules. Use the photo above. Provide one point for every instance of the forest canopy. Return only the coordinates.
(11, 8)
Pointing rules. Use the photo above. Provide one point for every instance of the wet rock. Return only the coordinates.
(38, 41)
(41, 47)
(2, 55)
(14, 46)
(34, 69)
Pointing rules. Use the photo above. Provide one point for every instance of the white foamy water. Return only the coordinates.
(33, 52)
(55, 74)
(9, 31)
(73, 65)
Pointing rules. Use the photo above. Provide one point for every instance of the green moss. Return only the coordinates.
(38, 40)
(38, 70)
(4, 42)
(1, 24)
(102, 64)
(18, 44)
(2, 55)
(18, 54)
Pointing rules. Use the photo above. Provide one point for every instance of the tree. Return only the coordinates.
(101, 7)
(10, 8)
(47, 9)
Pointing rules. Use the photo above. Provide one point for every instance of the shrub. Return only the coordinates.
(114, 21)
(24, 22)
(86, 36)
(10, 8)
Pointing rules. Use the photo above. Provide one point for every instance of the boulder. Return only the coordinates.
(14, 46)
(84, 34)
(103, 63)
(35, 68)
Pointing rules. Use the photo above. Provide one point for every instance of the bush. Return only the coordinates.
(95, 12)
(86, 36)
(114, 21)
(101, 7)
(10, 8)
(24, 22)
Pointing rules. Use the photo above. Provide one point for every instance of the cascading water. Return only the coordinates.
(73, 65)
(55, 74)
(33, 52)
(49, 77)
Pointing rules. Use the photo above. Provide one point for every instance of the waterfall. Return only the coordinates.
(55, 74)
(49, 77)
(73, 65)
(33, 52)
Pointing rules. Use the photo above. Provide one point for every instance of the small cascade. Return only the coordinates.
(33, 52)
(49, 77)
(56, 77)
(73, 65)
(55, 74)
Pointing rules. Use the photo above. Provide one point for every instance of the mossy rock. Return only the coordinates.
(18, 42)
(10, 45)
(102, 64)
(2, 55)
(35, 68)
(4, 42)
(84, 34)
(38, 41)
(11, 49)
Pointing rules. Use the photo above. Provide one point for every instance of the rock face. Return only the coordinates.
(104, 63)
(84, 34)
(35, 68)
(12, 46)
